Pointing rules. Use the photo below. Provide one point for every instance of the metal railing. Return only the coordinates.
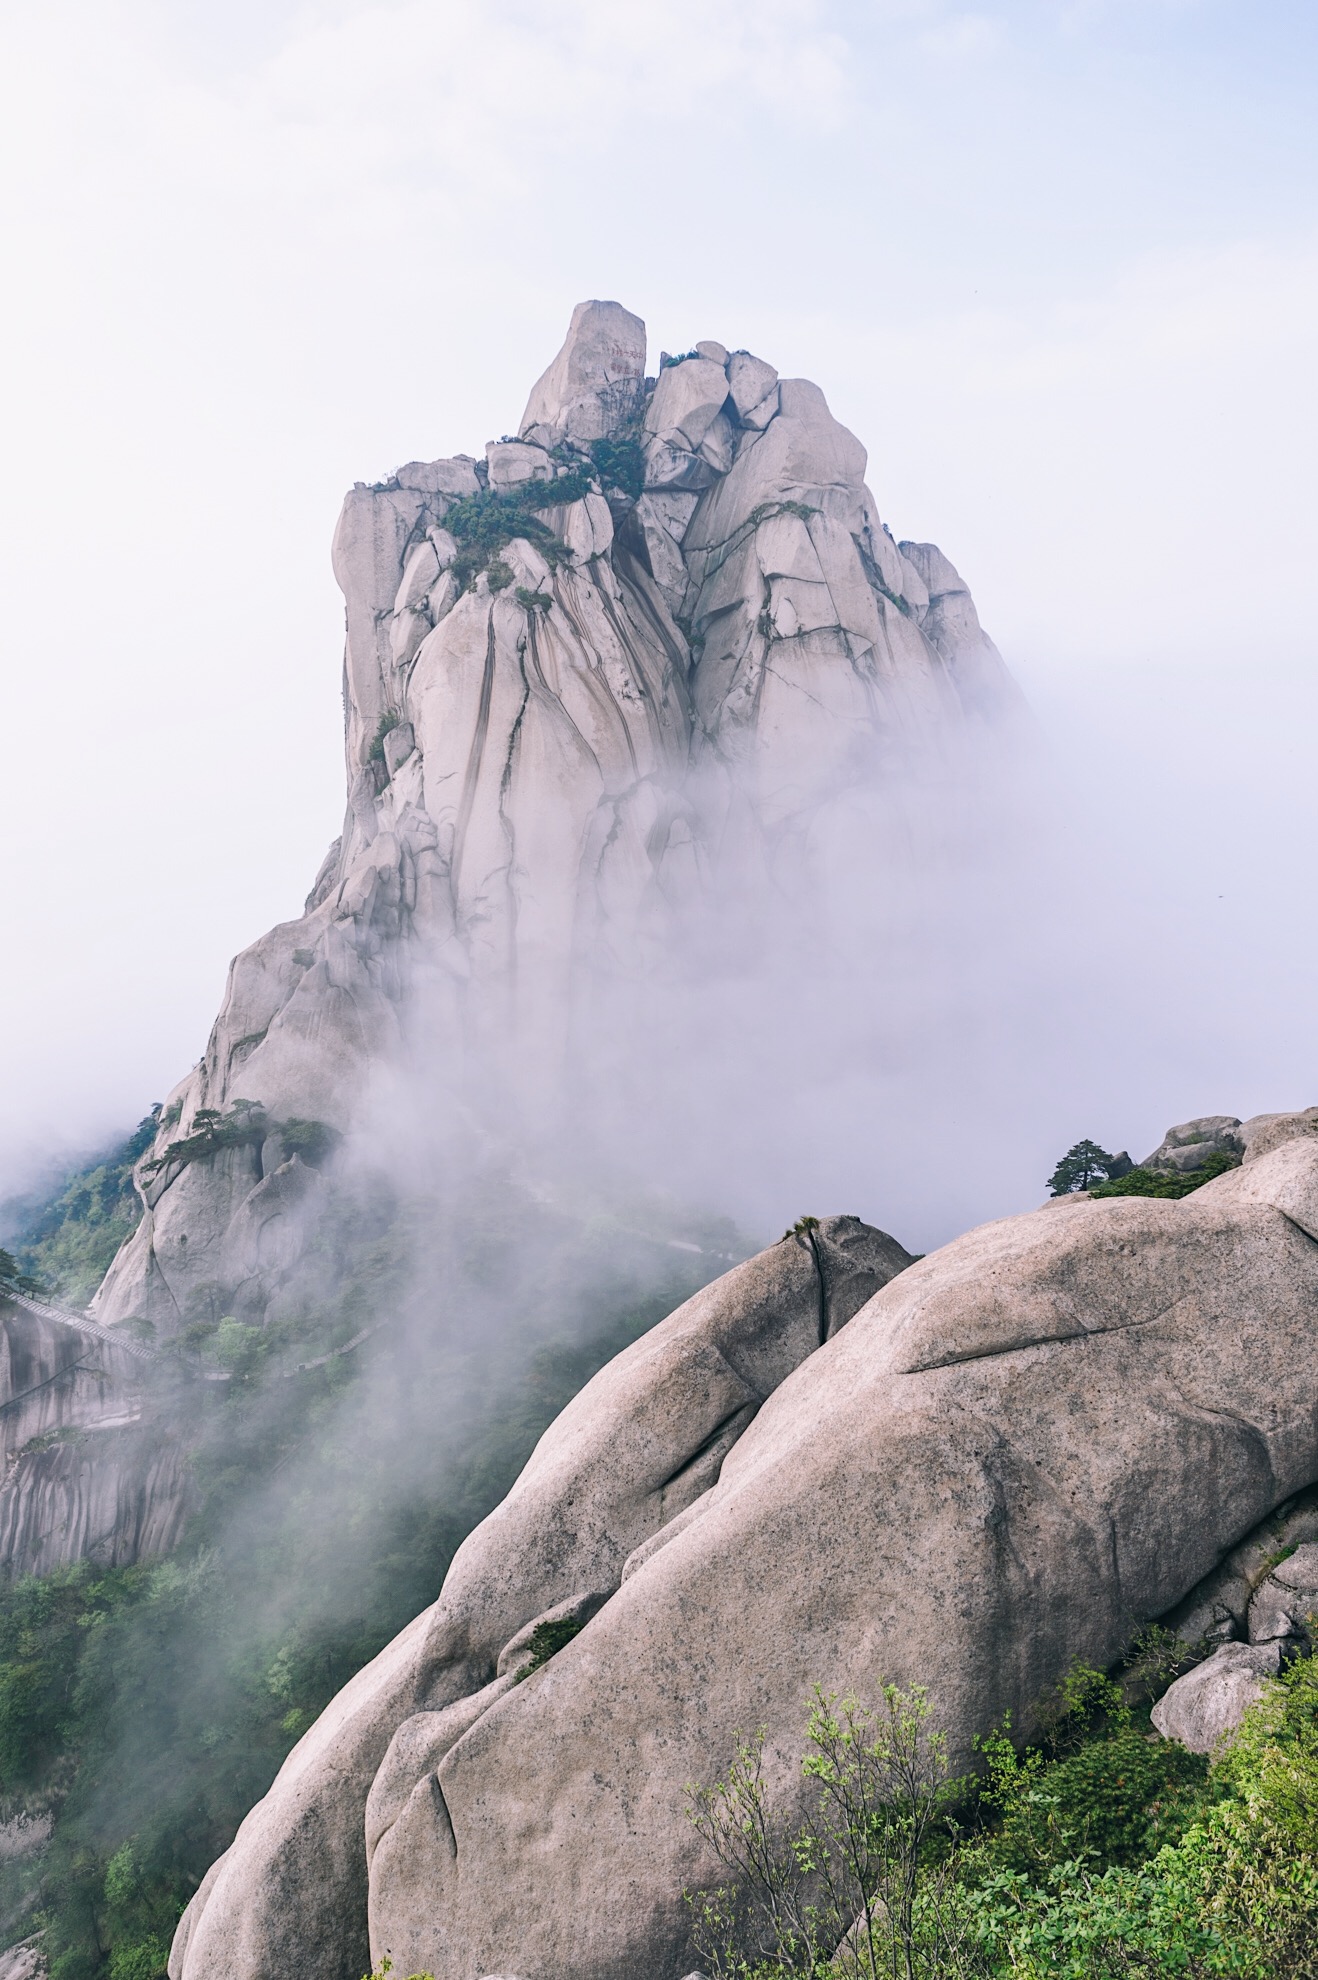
(91, 1329)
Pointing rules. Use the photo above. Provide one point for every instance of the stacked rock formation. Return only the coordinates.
(661, 627)
(1019, 1451)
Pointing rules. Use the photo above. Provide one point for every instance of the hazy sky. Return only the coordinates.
(1057, 265)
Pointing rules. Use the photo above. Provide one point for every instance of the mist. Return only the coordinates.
(1074, 329)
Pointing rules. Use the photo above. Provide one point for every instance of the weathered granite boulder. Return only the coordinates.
(1283, 1606)
(1020, 1451)
(1189, 1146)
(636, 1450)
(1217, 1610)
(549, 743)
(1205, 1706)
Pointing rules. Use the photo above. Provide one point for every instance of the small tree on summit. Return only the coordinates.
(1084, 1165)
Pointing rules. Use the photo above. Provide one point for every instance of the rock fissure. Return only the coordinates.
(467, 801)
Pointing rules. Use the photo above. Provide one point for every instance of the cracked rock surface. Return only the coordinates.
(1017, 1453)
(553, 710)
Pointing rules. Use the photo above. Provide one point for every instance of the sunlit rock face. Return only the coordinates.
(835, 1466)
(661, 628)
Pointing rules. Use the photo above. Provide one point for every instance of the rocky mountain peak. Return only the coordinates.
(596, 383)
(664, 621)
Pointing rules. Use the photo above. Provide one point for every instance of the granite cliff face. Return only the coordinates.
(90, 1469)
(834, 1466)
(639, 648)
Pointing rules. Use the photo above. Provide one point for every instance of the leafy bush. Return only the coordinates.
(547, 1639)
(860, 1872)
(1097, 1788)
(1073, 1873)
(12, 1279)
(484, 524)
(1171, 1185)
(386, 725)
(314, 1141)
(1236, 1894)
(620, 463)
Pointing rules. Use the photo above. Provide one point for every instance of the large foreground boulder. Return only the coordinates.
(1022, 1450)
(1203, 1708)
(624, 1462)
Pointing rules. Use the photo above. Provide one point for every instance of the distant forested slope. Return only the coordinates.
(67, 1237)
(341, 1455)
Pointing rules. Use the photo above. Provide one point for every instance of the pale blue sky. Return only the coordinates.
(1057, 265)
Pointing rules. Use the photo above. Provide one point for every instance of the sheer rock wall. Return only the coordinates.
(86, 1472)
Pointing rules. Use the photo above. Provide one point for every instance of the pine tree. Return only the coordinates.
(1084, 1165)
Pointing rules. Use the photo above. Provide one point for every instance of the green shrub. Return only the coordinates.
(483, 524)
(1171, 1186)
(386, 725)
(547, 1639)
(620, 463)
(313, 1141)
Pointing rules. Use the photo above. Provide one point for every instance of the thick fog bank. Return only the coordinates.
(1100, 933)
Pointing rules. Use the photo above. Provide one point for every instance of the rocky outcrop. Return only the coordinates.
(632, 655)
(1203, 1708)
(1020, 1451)
(1218, 1609)
(90, 1470)
(1187, 1147)
(622, 1467)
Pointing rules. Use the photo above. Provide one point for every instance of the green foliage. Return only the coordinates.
(547, 1639)
(763, 510)
(1097, 1789)
(1075, 1873)
(1234, 1892)
(244, 1125)
(1171, 1186)
(65, 1243)
(860, 1882)
(386, 725)
(532, 601)
(12, 1279)
(620, 463)
(314, 1141)
(483, 524)
(1084, 1165)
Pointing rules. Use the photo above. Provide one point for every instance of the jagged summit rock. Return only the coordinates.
(1018, 1452)
(596, 384)
(662, 629)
